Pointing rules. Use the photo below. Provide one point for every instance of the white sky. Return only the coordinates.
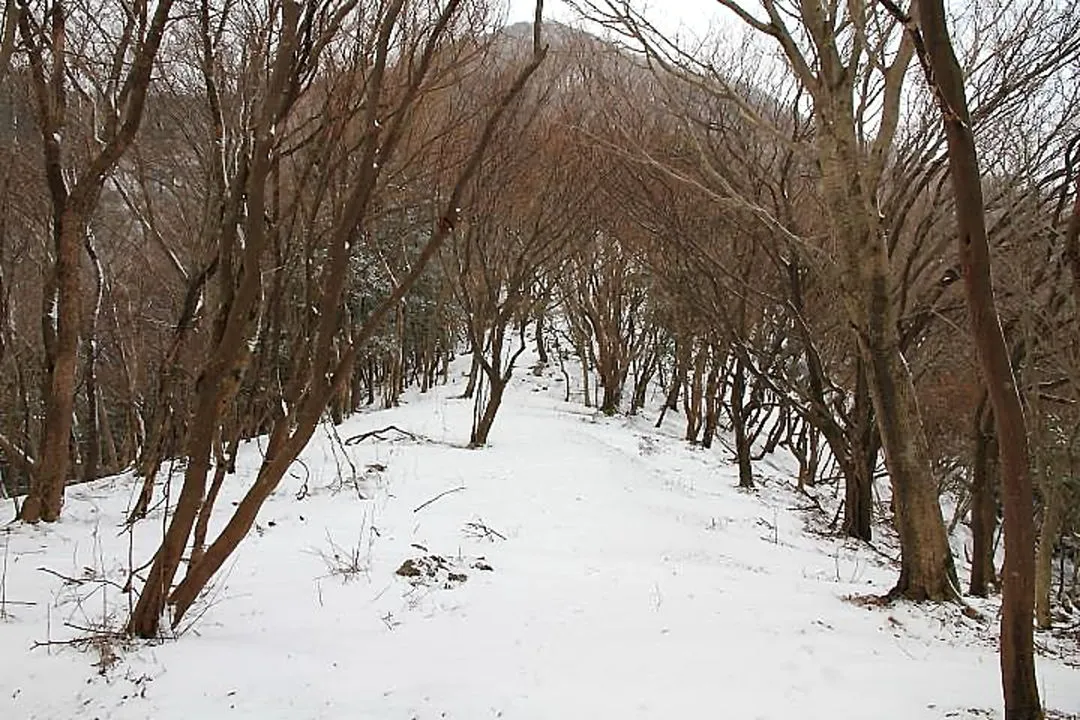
(695, 16)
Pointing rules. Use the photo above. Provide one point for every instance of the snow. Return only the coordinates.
(630, 579)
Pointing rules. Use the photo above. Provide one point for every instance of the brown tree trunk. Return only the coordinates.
(678, 379)
(541, 335)
(692, 400)
(612, 379)
(1018, 586)
(583, 349)
(484, 420)
(1049, 533)
(232, 328)
(46, 495)
(926, 566)
(92, 439)
(983, 503)
(712, 398)
(859, 478)
(474, 375)
(738, 423)
(223, 465)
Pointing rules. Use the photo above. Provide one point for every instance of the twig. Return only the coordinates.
(336, 443)
(480, 530)
(882, 553)
(444, 493)
(3, 575)
(82, 581)
(92, 635)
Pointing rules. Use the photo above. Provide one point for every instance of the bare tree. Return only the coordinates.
(931, 36)
(120, 98)
(383, 118)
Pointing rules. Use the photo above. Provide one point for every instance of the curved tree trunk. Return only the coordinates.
(1018, 587)
(483, 421)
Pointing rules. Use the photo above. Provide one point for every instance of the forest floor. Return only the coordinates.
(578, 567)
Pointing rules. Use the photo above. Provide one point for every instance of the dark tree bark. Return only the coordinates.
(474, 374)
(983, 503)
(497, 370)
(712, 397)
(678, 378)
(861, 462)
(693, 399)
(541, 332)
(738, 422)
(92, 439)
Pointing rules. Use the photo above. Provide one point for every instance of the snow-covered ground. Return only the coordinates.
(610, 571)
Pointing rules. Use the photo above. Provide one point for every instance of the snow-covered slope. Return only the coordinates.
(628, 579)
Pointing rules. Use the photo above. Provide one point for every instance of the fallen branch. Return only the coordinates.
(378, 434)
(443, 494)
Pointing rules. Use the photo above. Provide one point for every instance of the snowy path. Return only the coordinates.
(634, 582)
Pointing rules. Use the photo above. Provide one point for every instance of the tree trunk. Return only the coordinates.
(71, 211)
(223, 464)
(643, 379)
(859, 477)
(983, 503)
(678, 379)
(482, 426)
(372, 372)
(541, 331)
(1018, 587)
(712, 399)
(474, 374)
(612, 378)
(146, 617)
(926, 564)
(692, 401)
(583, 355)
(46, 496)
(1044, 558)
(850, 199)
(738, 423)
(92, 440)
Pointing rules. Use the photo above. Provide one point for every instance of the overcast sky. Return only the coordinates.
(669, 15)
